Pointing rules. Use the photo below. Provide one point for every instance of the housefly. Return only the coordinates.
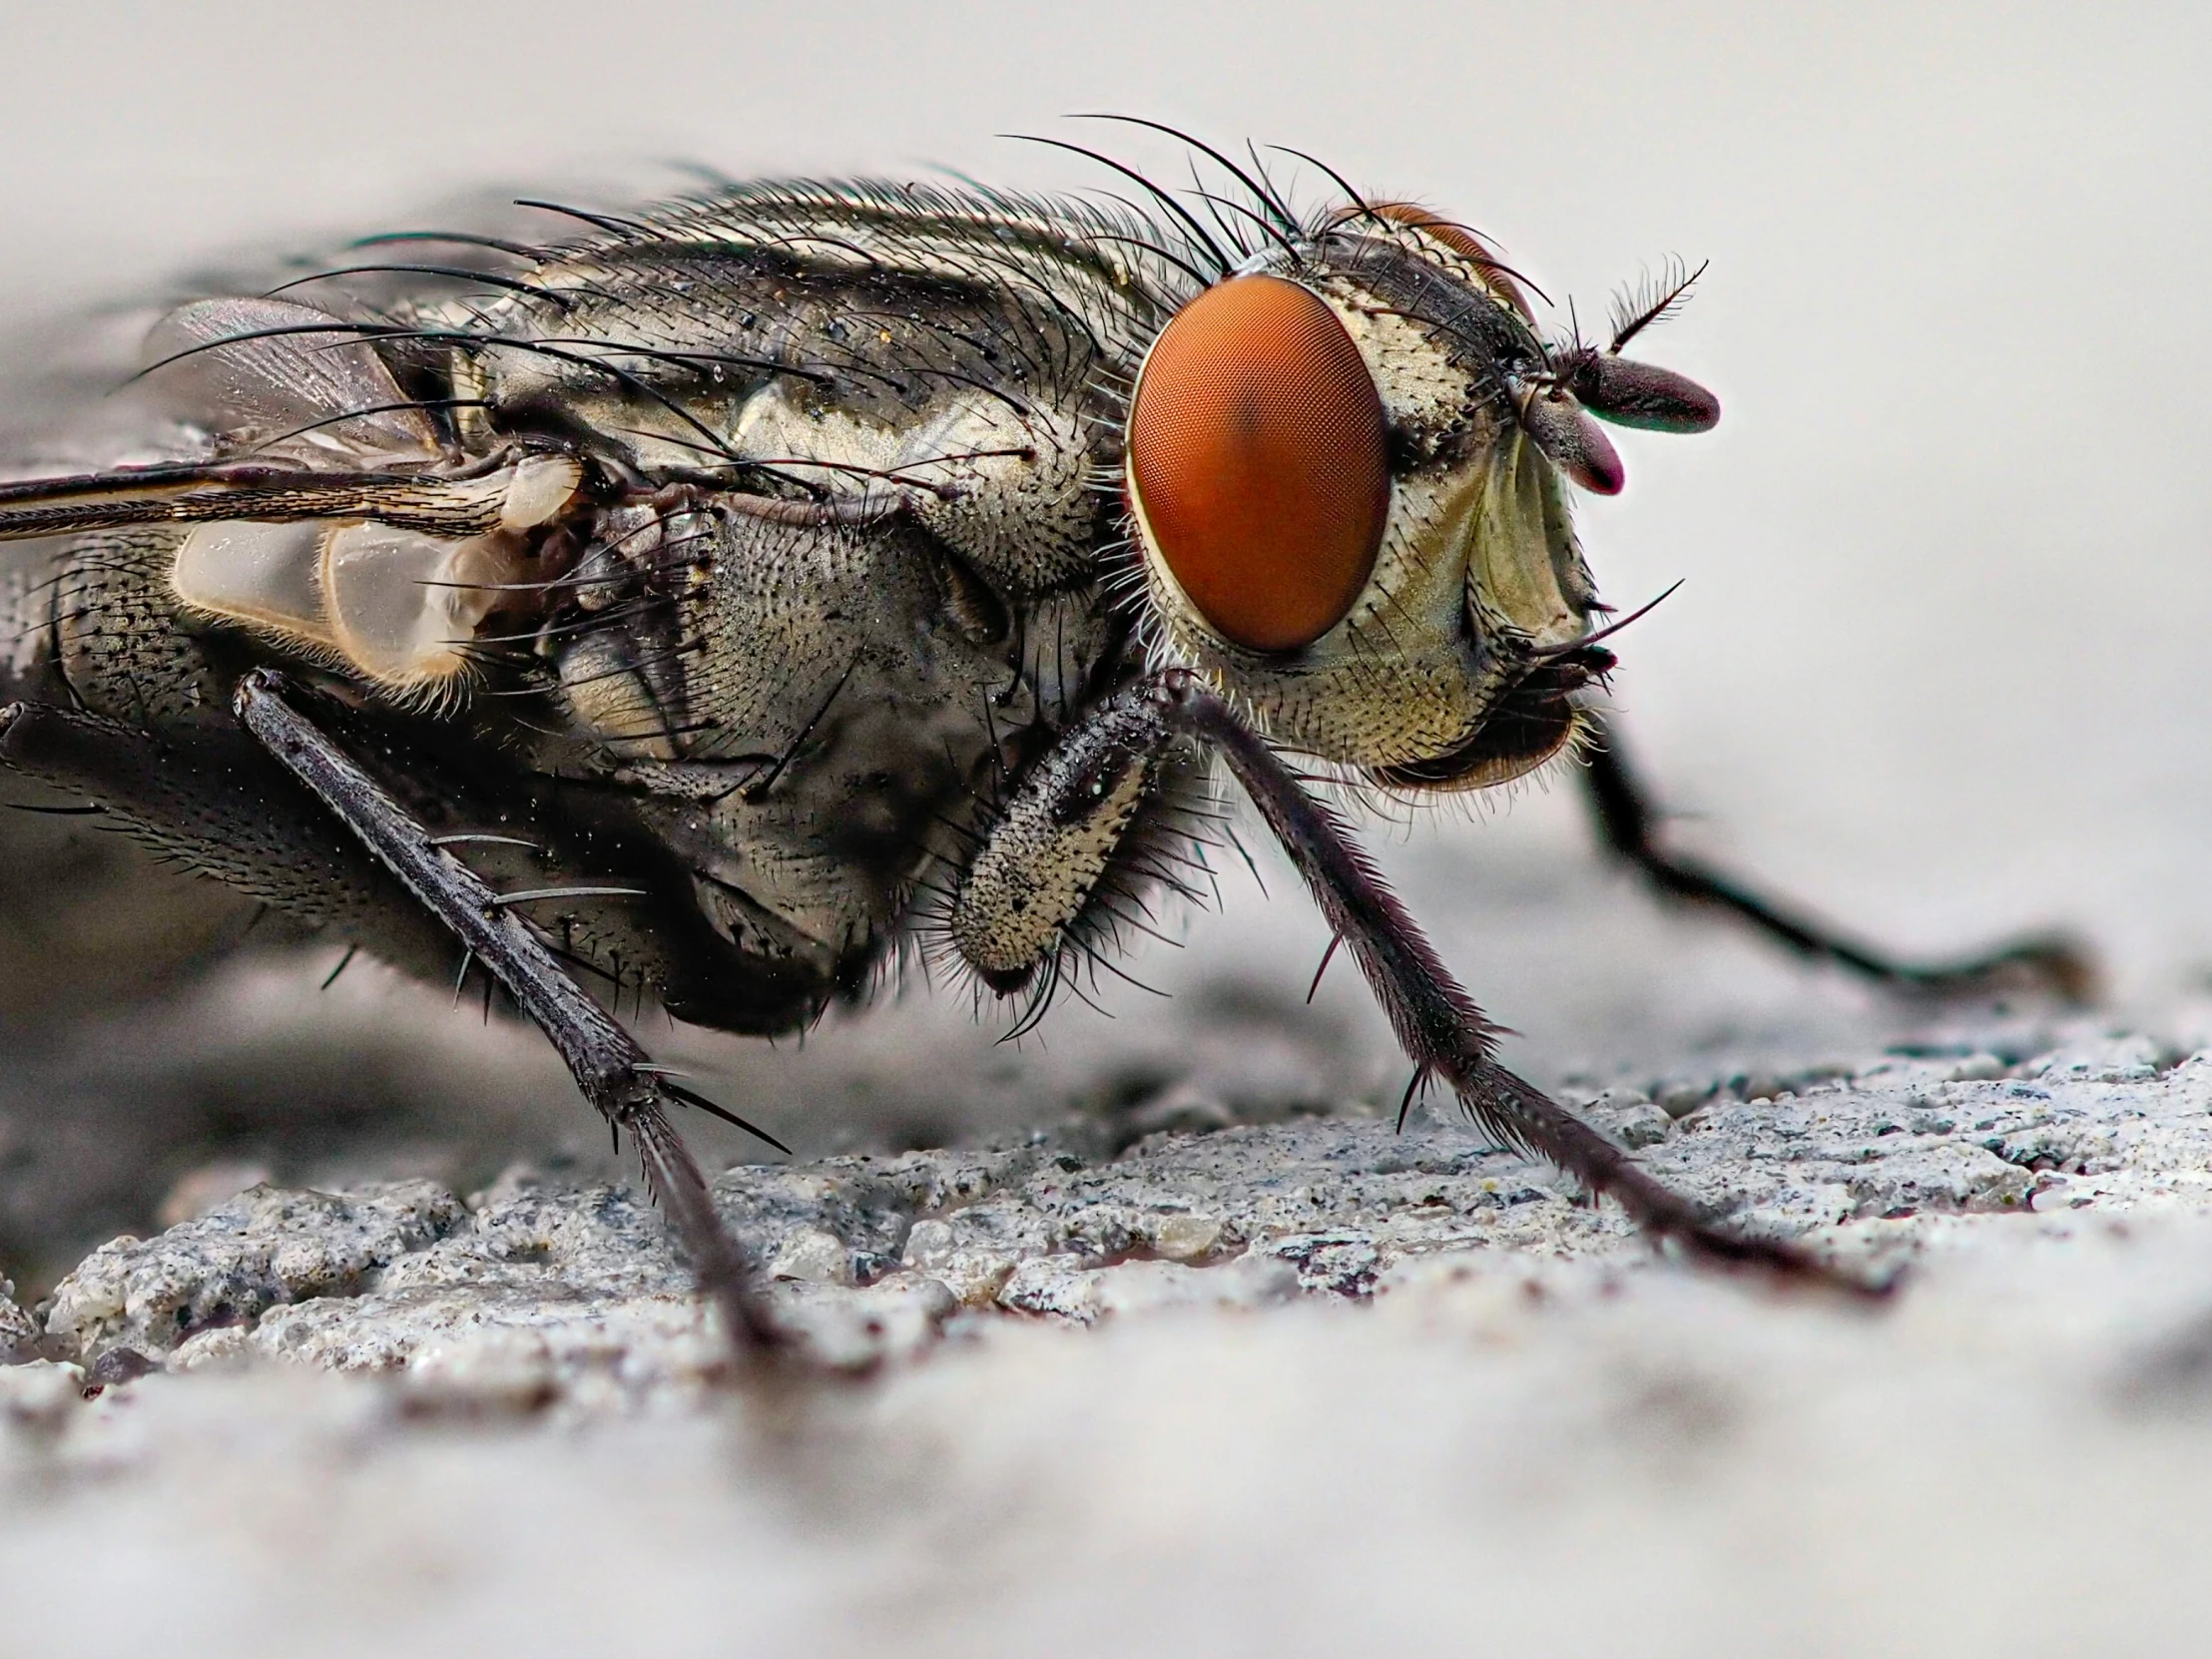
(716, 602)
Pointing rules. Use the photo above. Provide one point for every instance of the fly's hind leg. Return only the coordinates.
(339, 853)
(1631, 826)
(614, 1073)
(1042, 861)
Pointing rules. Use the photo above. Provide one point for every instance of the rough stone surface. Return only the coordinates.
(1300, 1388)
(540, 1293)
(19, 1332)
(229, 1268)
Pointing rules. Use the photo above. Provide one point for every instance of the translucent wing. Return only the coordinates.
(390, 573)
(329, 517)
(285, 382)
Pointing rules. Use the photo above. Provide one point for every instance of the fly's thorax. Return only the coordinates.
(1005, 477)
(811, 708)
(825, 347)
(1474, 568)
(1006, 483)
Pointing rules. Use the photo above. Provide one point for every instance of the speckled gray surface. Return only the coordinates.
(1303, 1387)
(873, 1255)
(19, 1332)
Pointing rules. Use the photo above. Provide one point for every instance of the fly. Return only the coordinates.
(735, 596)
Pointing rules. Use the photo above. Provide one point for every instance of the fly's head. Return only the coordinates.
(1348, 467)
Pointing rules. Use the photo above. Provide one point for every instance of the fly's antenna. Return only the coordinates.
(1623, 390)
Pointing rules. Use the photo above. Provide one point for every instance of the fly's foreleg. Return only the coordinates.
(1028, 882)
(1630, 823)
(614, 1073)
(1027, 888)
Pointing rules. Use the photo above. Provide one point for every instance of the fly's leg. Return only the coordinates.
(1029, 881)
(1038, 870)
(1630, 823)
(613, 1073)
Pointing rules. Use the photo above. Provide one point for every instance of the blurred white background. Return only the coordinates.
(1936, 669)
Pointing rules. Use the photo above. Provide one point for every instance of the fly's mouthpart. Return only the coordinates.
(1532, 724)
(1554, 421)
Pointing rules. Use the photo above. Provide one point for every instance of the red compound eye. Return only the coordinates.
(1257, 461)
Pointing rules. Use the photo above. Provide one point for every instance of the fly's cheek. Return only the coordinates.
(1259, 461)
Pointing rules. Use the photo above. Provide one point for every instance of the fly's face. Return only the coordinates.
(1348, 467)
